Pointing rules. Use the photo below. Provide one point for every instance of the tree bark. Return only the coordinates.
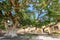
(10, 29)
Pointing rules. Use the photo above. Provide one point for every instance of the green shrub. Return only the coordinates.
(2, 26)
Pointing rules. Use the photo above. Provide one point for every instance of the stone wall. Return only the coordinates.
(31, 30)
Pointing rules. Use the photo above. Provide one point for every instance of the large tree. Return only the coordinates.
(23, 16)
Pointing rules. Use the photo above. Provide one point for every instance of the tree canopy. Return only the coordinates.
(30, 12)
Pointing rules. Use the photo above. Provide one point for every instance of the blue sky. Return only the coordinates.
(31, 9)
(35, 11)
(2, 0)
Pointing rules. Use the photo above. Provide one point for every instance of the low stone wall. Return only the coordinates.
(31, 30)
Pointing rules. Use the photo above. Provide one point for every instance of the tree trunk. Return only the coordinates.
(10, 31)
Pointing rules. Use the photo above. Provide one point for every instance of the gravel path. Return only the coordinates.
(45, 37)
(38, 37)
